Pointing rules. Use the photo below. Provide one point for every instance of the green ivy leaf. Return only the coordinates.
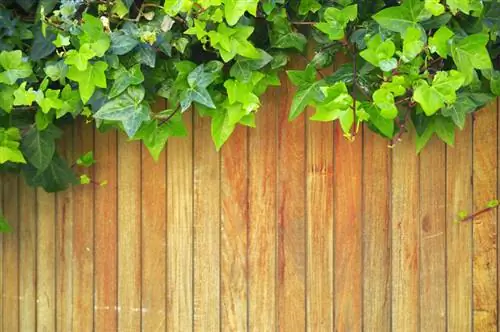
(80, 58)
(400, 18)
(384, 100)
(336, 20)
(86, 160)
(127, 108)
(124, 78)
(39, 146)
(412, 44)
(89, 79)
(441, 126)
(93, 34)
(233, 41)
(71, 102)
(383, 125)
(61, 40)
(243, 67)
(281, 35)
(470, 53)
(4, 225)
(440, 42)
(495, 83)
(122, 43)
(235, 9)
(56, 177)
(14, 67)
(49, 100)
(308, 90)
(466, 103)
(442, 92)
(379, 53)
(9, 146)
(434, 7)
(307, 6)
(6, 97)
(23, 97)
(465, 6)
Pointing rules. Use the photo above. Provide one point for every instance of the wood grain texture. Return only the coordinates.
(348, 226)
(83, 234)
(46, 262)
(206, 221)
(319, 206)
(405, 236)
(291, 213)
(234, 227)
(180, 230)
(106, 228)
(27, 261)
(485, 269)
(129, 235)
(459, 236)
(376, 233)
(64, 243)
(10, 268)
(262, 164)
(433, 237)
(153, 242)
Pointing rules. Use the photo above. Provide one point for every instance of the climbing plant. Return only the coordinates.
(418, 65)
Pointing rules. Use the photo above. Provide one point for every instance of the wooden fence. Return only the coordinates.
(289, 228)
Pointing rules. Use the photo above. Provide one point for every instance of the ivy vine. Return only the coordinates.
(422, 64)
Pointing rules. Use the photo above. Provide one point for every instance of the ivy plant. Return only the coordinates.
(418, 65)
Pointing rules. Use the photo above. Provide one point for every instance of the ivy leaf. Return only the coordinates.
(467, 102)
(146, 55)
(6, 97)
(89, 79)
(49, 100)
(127, 108)
(412, 44)
(308, 90)
(243, 67)
(307, 6)
(281, 35)
(94, 35)
(495, 83)
(336, 20)
(442, 92)
(235, 9)
(434, 7)
(39, 146)
(440, 42)
(379, 53)
(14, 67)
(233, 41)
(465, 6)
(470, 53)
(241, 92)
(174, 7)
(56, 177)
(71, 102)
(4, 225)
(9, 146)
(196, 94)
(383, 125)
(400, 18)
(124, 78)
(80, 58)
(23, 97)
(122, 43)
(61, 40)
(86, 160)
(204, 74)
(337, 105)
(384, 100)
(224, 121)
(56, 71)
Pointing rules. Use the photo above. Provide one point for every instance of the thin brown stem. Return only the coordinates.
(478, 213)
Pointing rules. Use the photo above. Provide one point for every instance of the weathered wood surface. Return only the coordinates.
(288, 228)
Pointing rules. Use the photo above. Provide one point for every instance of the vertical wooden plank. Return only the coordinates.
(83, 235)
(432, 237)
(153, 243)
(291, 214)
(27, 261)
(64, 243)
(10, 291)
(459, 236)
(206, 229)
(262, 216)
(376, 233)
(180, 230)
(485, 293)
(106, 251)
(405, 235)
(129, 235)
(348, 224)
(46, 260)
(320, 297)
(234, 219)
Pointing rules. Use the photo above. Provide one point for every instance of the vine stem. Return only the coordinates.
(304, 23)
(402, 130)
(471, 216)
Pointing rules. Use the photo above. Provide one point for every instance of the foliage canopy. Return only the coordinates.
(422, 64)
